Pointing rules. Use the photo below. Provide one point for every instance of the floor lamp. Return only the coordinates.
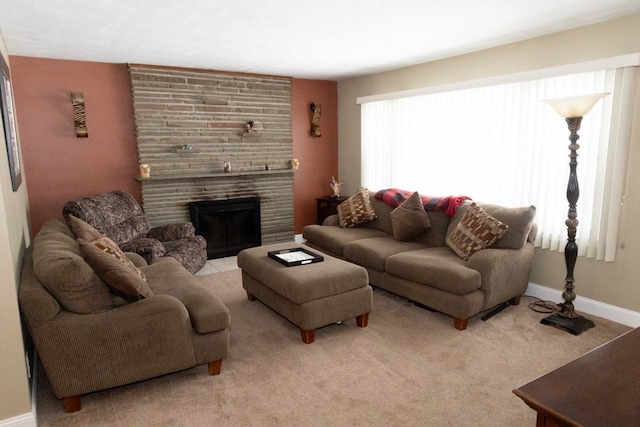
(572, 109)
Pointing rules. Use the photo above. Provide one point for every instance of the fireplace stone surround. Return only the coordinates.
(190, 122)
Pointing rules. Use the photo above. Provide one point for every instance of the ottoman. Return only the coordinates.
(309, 295)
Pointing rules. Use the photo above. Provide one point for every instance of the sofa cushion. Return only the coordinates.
(117, 271)
(356, 209)
(436, 267)
(475, 231)
(373, 252)
(333, 239)
(64, 273)
(83, 229)
(409, 219)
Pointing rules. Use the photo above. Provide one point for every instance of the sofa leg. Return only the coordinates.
(71, 404)
(362, 320)
(215, 366)
(460, 324)
(515, 300)
(250, 297)
(308, 335)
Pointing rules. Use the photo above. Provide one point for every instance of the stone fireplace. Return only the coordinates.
(189, 123)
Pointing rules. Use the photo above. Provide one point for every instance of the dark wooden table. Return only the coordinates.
(326, 206)
(600, 388)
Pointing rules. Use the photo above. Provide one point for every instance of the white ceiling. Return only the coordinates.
(322, 39)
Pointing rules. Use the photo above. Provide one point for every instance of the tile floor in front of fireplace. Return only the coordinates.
(229, 263)
(219, 264)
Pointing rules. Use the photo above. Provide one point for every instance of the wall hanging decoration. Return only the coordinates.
(10, 128)
(316, 109)
(79, 116)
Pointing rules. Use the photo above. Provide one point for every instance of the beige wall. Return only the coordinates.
(614, 283)
(14, 237)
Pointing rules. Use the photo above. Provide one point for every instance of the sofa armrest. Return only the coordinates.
(331, 220)
(504, 272)
(136, 259)
(166, 233)
(84, 353)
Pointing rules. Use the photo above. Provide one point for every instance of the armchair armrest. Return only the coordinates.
(166, 233)
(84, 353)
(146, 247)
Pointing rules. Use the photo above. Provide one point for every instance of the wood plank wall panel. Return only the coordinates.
(208, 111)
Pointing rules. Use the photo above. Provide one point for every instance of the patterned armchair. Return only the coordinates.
(118, 215)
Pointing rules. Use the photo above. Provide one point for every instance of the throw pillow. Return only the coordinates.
(519, 220)
(356, 210)
(475, 231)
(117, 271)
(409, 219)
(83, 229)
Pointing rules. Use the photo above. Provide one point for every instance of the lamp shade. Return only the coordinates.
(575, 106)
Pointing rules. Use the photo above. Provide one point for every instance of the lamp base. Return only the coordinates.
(573, 326)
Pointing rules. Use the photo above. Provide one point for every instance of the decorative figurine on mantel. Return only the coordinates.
(249, 127)
(336, 187)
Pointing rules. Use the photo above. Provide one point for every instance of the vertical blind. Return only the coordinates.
(502, 144)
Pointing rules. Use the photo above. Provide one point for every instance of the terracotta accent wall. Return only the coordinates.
(318, 156)
(60, 167)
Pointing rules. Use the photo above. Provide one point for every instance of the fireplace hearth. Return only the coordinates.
(228, 225)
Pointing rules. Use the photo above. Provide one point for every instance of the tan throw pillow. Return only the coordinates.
(117, 271)
(409, 219)
(475, 231)
(82, 229)
(356, 210)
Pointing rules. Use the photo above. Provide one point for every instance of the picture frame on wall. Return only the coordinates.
(10, 128)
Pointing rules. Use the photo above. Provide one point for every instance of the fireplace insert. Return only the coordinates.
(228, 225)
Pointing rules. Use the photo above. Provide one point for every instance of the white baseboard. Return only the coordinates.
(24, 420)
(29, 419)
(588, 306)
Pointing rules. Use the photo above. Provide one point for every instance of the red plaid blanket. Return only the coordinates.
(395, 197)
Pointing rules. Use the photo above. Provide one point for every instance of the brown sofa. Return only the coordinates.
(424, 269)
(90, 337)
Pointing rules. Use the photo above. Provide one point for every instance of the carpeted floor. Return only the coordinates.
(409, 367)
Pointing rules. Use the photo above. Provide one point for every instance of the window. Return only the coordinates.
(501, 144)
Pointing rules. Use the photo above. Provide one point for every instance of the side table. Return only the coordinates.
(599, 388)
(327, 206)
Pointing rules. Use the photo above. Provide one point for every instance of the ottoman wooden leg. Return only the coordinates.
(308, 335)
(251, 297)
(362, 320)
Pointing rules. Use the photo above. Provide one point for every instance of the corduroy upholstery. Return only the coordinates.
(182, 325)
(118, 215)
(425, 270)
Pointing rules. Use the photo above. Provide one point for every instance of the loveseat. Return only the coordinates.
(426, 252)
(100, 318)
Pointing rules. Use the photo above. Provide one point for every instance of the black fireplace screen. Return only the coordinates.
(228, 225)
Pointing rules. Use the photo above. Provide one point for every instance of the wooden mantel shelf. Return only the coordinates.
(167, 177)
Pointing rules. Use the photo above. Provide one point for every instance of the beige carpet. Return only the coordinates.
(409, 367)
